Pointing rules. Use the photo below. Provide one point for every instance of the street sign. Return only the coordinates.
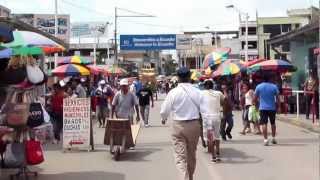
(148, 42)
(76, 123)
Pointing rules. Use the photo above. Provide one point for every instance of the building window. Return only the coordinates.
(251, 31)
(297, 26)
(251, 45)
(285, 28)
(272, 29)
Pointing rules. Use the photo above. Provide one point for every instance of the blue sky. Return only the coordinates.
(172, 16)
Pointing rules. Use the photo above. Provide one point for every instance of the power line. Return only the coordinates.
(134, 12)
(85, 8)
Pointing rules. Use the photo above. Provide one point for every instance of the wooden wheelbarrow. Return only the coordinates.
(120, 135)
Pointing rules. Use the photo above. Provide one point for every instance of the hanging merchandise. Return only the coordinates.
(17, 70)
(34, 73)
(16, 110)
(14, 157)
(36, 117)
(34, 153)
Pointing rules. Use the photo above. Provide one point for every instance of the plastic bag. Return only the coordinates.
(253, 114)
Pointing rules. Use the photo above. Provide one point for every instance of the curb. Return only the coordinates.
(299, 123)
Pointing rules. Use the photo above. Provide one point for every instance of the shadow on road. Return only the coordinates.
(138, 154)
(234, 156)
(281, 141)
(96, 175)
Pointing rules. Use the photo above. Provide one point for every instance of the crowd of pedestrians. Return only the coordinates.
(207, 113)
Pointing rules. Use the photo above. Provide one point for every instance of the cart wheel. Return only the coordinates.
(116, 154)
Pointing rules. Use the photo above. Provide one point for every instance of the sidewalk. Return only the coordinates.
(300, 122)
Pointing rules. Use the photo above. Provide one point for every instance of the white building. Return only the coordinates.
(46, 23)
(4, 11)
(253, 52)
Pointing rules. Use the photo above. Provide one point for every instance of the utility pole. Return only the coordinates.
(246, 35)
(115, 37)
(55, 32)
(116, 16)
(216, 39)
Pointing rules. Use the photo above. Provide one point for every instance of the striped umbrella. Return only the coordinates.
(227, 68)
(27, 38)
(71, 70)
(217, 56)
(74, 60)
(94, 69)
(115, 70)
(195, 75)
(22, 51)
(272, 65)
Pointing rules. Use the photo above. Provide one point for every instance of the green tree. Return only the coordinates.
(170, 67)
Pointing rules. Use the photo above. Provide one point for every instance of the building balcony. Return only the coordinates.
(250, 52)
(250, 38)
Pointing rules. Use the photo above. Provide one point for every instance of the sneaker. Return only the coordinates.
(214, 159)
(218, 157)
(266, 142)
(274, 141)
(146, 125)
(224, 138)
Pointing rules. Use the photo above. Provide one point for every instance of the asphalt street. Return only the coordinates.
(296, 157)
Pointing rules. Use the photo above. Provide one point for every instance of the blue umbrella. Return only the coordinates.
(6, 34)
(6, 53)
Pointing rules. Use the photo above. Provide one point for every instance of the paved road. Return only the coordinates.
(244, 158)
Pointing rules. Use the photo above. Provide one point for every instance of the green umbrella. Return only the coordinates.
(24, 51)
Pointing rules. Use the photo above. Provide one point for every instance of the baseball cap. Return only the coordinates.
(183, 72)
(102, 82)
(124, 82)
(62, 83)
(83, 80)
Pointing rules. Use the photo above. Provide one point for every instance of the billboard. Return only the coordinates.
(148, 42)
(88, 29)
(46, 23)
(184, 42)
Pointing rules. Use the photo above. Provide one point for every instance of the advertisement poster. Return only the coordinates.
(76, 123)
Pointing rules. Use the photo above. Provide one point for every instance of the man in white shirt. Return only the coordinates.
(183, 103)
(211, 103)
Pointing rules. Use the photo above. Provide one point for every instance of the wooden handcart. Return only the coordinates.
(120, 135)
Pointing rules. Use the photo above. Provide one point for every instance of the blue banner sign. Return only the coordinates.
(148, 42)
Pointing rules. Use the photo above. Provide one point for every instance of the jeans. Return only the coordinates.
(57, 125)
(309, 107)
(226, 120)
(144, 111)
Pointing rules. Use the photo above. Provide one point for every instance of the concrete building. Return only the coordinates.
(303, 43)
(252, 40)
(4, 11)
(203, 42)
(269, 27)
(46, 23)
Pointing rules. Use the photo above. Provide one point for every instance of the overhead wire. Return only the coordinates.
(137, 22)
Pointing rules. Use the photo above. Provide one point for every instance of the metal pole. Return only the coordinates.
(115, 37)
(246, 48)
(55, 32)
(298, 106)
(95, 50)
(216, 39)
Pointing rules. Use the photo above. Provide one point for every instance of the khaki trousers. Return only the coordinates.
(185, 136)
